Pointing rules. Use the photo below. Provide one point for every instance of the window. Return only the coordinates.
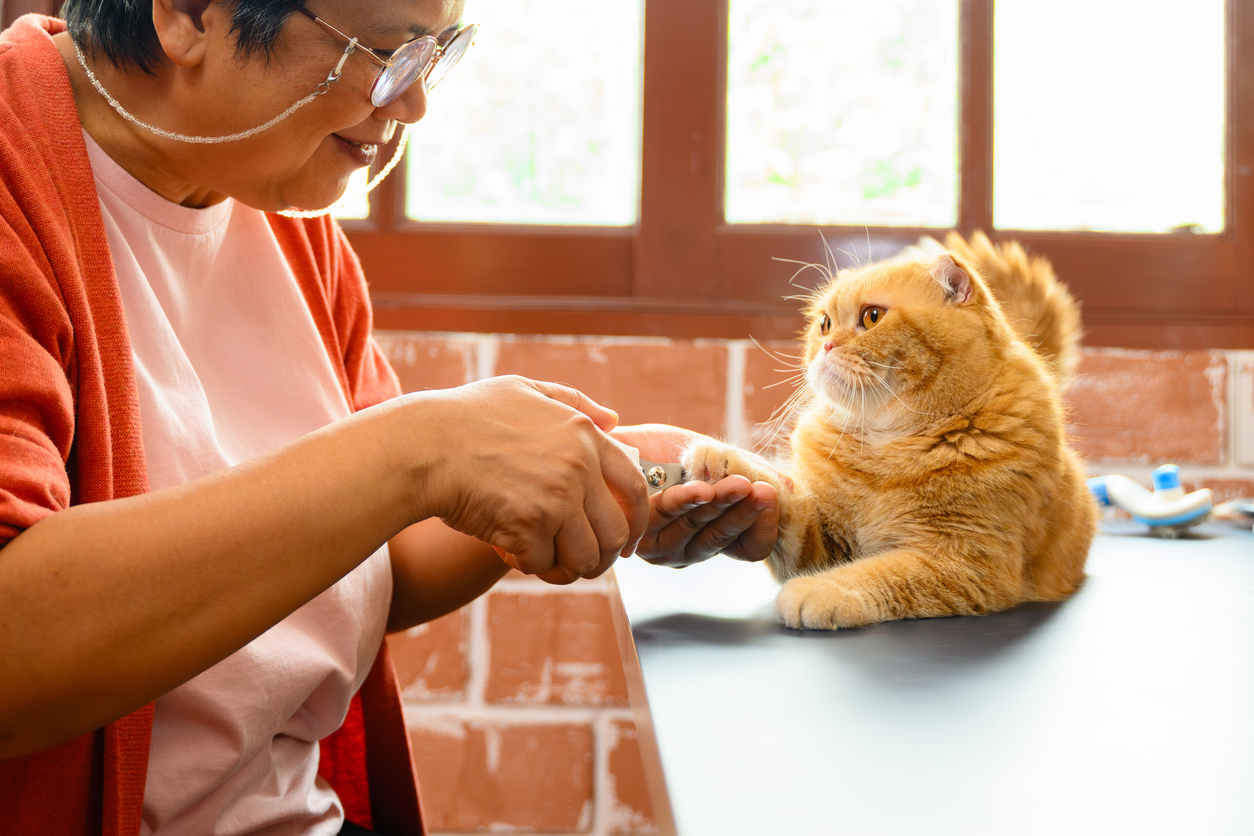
(540, 124)
(1066, 123)
(1114, 109)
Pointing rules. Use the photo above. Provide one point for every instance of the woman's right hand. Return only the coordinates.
(528, 468)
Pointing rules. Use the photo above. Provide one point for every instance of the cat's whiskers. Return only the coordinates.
(780, 417)
(862, 431)
(786, 359)
(794, 379)
(805, 265)
(831, 257)
(831, 414)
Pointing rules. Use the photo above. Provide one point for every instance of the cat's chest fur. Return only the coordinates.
(856, 505)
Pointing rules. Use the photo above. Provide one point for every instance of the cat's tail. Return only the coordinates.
(1037, 304)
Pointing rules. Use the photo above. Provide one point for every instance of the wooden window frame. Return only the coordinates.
(683, 272)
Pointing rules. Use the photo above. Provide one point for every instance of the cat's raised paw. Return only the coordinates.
(818, 602)
(709, 461)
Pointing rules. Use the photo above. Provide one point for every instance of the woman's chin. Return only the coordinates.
(313, 200)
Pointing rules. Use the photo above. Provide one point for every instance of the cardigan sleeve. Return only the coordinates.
(371, 379)
(36, 399)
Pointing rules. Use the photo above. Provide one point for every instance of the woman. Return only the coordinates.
(213, 503)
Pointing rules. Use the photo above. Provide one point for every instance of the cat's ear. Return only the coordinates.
(953, 279)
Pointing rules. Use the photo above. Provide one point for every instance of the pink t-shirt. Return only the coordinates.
(229, 365)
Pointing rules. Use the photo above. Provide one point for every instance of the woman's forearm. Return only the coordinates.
(435, 570)
(105, 606)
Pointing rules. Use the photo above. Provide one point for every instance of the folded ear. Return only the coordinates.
(953, 279)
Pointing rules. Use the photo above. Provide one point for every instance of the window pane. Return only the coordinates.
(843, 112)
(539, 123)
(1109, 115)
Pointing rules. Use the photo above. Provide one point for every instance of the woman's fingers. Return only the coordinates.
(656, 442)
(760, 510)
(605, 418)
(695, 521)
(627, 488)
(576, 553)
(534, 473)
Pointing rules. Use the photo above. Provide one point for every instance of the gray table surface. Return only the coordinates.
(1128, 709)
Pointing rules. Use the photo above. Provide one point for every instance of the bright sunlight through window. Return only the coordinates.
(539, 123)
(843, 112)
(1109, 115)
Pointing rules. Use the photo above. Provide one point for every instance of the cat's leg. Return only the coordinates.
(896, 584)
(799, 537)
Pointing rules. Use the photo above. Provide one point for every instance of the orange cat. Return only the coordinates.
(930, 467)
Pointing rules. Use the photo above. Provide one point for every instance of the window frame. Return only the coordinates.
(683, 272)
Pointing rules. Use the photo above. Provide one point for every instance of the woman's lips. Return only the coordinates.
(362, 155)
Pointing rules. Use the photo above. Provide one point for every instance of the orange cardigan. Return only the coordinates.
(70, 434)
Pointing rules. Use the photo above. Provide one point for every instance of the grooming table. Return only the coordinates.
(1128, 709)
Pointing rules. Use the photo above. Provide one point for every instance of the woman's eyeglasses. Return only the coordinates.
(422, 58)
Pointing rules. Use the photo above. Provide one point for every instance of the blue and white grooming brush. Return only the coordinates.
(1167, 510)
(1239, 511)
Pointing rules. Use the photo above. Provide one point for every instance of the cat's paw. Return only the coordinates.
(708, 460)
(821, 602)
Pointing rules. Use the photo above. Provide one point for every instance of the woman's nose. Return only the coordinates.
(408, 107)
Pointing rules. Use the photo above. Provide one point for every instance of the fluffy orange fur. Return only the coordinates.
(930, 469)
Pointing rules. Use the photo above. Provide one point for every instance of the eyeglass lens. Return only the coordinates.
(452, 54)
(409, 62)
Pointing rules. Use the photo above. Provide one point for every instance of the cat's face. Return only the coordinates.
(889, 342)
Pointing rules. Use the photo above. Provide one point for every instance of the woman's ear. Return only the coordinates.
(180, 26)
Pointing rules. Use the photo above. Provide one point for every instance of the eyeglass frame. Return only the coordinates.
(384, 64)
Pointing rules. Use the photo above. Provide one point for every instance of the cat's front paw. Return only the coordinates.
(708, 460)
(821, 602)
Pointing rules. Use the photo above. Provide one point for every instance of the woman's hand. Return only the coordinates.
(694, 521)
(527, 467)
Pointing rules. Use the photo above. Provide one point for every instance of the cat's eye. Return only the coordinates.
(825, 324)
(871, 316)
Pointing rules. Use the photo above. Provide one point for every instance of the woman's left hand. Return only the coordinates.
(694, 521)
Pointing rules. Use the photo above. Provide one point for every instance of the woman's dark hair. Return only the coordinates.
(123, 30)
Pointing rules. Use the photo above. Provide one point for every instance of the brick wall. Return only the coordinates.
(517, 703)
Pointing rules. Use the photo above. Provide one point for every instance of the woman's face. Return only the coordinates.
(306, 160)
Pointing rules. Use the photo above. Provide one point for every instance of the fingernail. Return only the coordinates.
(696, 503)
(762, 504)
(736, 497)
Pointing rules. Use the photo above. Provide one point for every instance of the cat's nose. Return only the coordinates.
(828, 346)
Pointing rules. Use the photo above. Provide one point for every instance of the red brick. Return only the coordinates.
(431, 658)
(427, 362)
(769, 373)
(1243, 410)
(679, 383)
(505, 778)
(553, 648)
(1150, 407)
(628, 808)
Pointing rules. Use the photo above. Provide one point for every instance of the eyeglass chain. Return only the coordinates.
(322, 88)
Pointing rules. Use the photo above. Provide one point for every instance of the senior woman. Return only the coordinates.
(213, 500)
